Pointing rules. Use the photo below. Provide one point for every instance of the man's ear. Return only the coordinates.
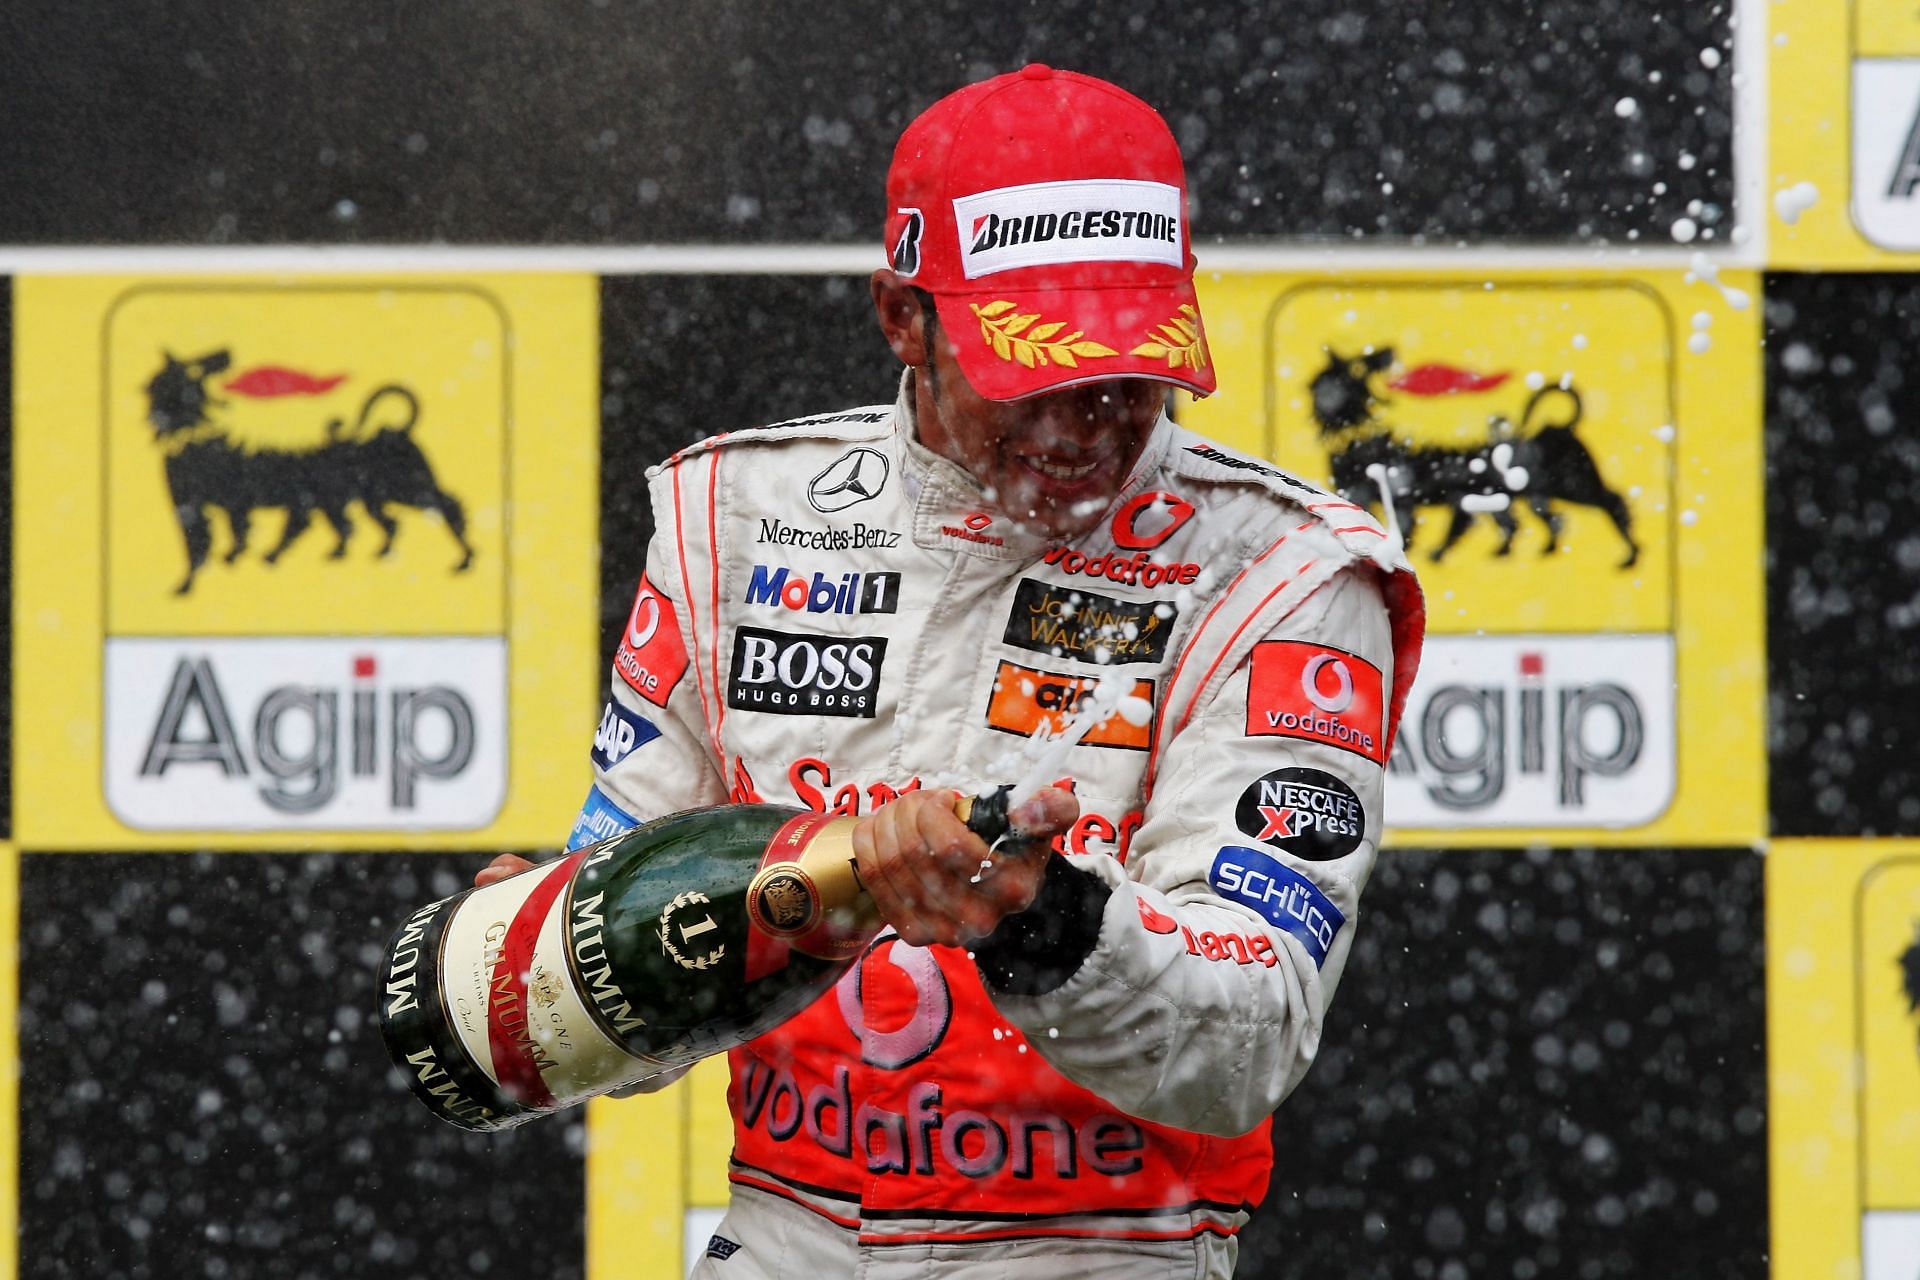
(901, 319)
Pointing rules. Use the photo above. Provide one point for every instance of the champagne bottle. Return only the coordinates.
(658, 947)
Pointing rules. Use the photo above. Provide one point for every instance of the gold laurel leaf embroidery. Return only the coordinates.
(1021, 338)
(1179, 340)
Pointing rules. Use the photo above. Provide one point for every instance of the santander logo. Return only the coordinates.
(1156, 921)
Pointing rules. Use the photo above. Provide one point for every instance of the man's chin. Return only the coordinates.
(1065, 526)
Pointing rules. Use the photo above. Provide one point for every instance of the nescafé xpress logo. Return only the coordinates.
(305, 624)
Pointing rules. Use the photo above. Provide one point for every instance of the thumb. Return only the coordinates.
(1047, 812)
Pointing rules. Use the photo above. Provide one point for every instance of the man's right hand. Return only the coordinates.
(507, 864)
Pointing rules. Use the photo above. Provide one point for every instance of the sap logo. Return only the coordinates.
(850, 593)
(620, 733)
(795, 675)
(264, 732)
(1280, 894)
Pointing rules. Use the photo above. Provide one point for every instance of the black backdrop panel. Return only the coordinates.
(1843, 553)
(203, 121)
(204, 1092)
(684, 357)
(1539, 1065)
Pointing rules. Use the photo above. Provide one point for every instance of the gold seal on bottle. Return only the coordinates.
(783, 901)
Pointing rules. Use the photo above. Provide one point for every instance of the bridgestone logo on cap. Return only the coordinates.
(1052, 223)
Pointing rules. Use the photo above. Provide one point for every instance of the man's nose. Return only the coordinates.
(1080, 413)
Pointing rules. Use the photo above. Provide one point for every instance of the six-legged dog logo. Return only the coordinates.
(374, 461)
(1539, 460)
(1910, 972)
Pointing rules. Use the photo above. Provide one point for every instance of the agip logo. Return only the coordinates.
(1523, 438)
(305, 579)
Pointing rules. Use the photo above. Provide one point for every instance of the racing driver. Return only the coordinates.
(1054, 1062)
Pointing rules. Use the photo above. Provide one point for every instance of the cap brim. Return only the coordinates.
(1015, 342)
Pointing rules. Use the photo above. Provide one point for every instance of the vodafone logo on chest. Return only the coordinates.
(1299, 689)
(651, 657)
(1148, 519)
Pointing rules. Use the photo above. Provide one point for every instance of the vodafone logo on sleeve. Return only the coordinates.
(1298, 689)
(651, 657)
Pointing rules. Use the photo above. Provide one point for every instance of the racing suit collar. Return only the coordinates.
(951, 513)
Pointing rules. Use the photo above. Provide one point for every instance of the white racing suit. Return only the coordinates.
(831, 616)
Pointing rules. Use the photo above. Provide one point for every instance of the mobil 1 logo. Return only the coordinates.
(244, 733)
(792, 674)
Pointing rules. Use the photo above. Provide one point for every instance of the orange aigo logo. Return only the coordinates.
(1028, 701)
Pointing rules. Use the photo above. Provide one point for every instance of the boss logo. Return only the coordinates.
(799, 675)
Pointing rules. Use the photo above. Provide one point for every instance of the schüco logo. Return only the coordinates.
(307, 598)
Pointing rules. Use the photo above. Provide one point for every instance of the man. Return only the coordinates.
(1052, 1063)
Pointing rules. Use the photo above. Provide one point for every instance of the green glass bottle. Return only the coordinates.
(661, 946)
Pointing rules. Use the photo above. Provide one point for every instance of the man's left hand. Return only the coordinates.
(924, 867)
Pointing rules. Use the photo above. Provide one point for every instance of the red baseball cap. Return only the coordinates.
(1046, 211)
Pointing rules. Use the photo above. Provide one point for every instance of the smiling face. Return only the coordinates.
(1054, 463)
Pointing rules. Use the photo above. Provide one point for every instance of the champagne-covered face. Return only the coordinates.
(1054, 463)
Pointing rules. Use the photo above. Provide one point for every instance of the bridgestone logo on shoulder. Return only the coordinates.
(1047, 223)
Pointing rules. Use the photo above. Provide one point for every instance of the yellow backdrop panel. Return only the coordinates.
(1843, 173)
(307, 559)
(1577, 463)
(1843, 1046)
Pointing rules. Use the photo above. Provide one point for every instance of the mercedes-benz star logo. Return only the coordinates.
(855, 476)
